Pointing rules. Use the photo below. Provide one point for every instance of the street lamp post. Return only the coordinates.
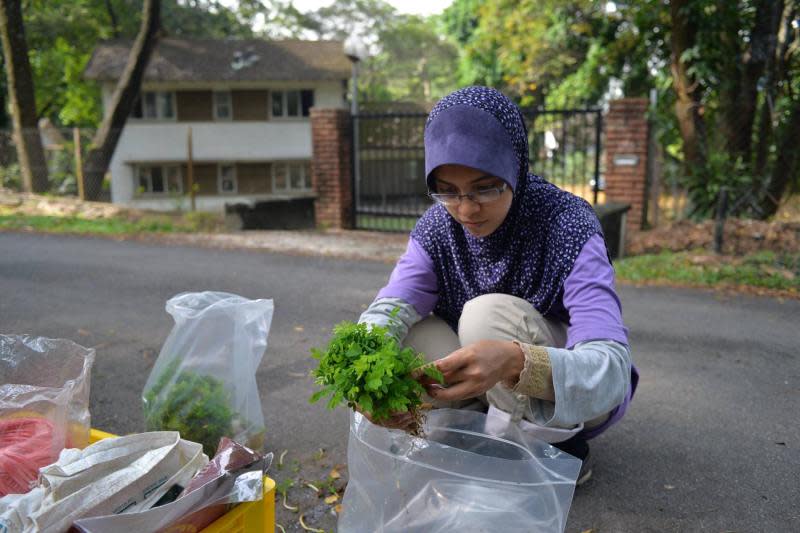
(355, 50)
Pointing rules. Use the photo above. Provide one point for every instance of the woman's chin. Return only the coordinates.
(480, 230)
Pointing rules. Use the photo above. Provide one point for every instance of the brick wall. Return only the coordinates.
(625, 143)
(331, 176)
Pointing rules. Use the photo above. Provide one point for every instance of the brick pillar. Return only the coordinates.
(331, 176)
(626, 131)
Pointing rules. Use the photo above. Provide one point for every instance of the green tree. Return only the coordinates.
(122, 100)
(727, 75)
(62, 34)
(414, 62)
(736, 74)
(410, 56)
(30, 151)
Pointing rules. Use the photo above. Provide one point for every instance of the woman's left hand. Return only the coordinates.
(472, 370)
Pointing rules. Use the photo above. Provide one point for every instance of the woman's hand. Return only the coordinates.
(472, 370)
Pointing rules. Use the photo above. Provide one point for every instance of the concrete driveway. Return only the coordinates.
(712, 442)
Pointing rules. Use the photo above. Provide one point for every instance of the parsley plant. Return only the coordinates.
(365, 366)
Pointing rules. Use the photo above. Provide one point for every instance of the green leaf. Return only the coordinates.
(434, 373)
(317, 395)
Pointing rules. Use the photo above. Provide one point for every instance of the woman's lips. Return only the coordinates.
(472, 224)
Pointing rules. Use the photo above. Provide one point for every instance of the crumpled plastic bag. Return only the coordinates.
(234, 475)
(203, 383)
(122, 474)
(44, 405)
(469, 473)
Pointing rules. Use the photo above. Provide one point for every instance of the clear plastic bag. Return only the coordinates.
(460, 477)
(44, 405)
(204, 381)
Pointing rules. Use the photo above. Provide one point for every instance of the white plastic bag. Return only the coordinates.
(115, 475)
(51, 364)
(44, 405)
(204, 381)
(460, 477)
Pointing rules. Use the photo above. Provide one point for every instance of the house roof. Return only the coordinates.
(205, 60)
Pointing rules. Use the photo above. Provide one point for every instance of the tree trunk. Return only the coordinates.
(30, 151)
(731, 27)
(787, 163)
(775, 75)
(688, 105)
(122, 101)
(113, 18)
(756, 59)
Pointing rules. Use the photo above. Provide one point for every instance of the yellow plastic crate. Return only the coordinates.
(247, 517)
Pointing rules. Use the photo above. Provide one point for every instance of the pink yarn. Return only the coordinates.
(26, 445)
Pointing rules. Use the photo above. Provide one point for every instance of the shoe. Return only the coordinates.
(578, 448)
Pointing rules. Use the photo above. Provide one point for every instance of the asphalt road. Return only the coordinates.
(711, 443)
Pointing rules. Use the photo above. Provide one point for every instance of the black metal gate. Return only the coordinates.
(389, 191)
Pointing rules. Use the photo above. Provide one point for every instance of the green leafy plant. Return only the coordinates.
(366, 368)
(195, 405)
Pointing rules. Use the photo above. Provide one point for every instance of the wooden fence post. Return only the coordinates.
(190, 168)
(76, 140)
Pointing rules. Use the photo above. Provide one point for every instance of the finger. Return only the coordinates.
(419, 372)
(457, 376)
(460, 391)
(452, 362)
(433, 388)
(427, 381)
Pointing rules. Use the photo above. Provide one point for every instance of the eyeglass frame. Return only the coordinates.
(436, 197)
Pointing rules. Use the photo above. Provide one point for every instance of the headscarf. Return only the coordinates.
(532, 252)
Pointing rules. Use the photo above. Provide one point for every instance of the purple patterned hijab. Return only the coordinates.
(533, 251)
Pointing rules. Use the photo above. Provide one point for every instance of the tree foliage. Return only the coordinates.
(410, 57)
(726, 73)
(62, 35)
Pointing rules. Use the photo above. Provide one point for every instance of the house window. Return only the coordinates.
(226, 179)
(294, 103)
(159, 179)
(155, 105)
(291, 176)
(222, 105)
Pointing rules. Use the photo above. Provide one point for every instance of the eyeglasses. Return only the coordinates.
(482, 196)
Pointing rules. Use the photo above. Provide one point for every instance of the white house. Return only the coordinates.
(247, 105)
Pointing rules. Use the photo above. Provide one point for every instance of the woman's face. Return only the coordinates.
(480, 219)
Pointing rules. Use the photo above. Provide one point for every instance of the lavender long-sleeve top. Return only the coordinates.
(592, 373)
(589, 301)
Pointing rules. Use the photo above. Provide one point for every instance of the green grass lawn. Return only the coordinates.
(766, 270)
(370, 222)
(107, 226)
(80, 225)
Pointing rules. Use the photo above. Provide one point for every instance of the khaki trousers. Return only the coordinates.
(492, 317)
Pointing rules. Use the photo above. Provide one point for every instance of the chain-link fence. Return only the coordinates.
(65, 151)
(749, 156)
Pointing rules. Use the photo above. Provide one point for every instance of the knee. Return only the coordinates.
(492, 316)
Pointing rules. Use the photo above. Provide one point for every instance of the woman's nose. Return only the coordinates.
(467, 207)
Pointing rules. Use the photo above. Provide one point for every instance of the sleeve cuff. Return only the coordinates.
(534, 380)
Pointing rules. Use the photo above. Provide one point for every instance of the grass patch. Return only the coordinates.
(105, 226)
(372, 222)
(766, 270)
